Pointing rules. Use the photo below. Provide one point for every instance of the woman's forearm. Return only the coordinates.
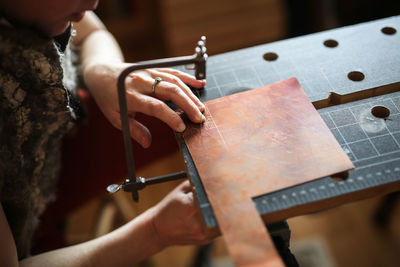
(95, 42)
(129, 244)
(132, 243)
(100, 47)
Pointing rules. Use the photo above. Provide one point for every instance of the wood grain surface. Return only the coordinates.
(253, 143)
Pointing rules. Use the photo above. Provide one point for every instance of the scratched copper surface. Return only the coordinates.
(253, 143)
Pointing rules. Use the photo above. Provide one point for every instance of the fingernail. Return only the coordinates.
(200, 118)
(202, 107)
(181, 127)
(145, 143)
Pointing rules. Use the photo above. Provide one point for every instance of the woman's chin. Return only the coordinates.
(56, 29)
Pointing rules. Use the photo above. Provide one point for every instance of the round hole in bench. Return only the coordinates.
(388, 30)
(380, 112)
(270, 56)
(331, 43)
(356, 76)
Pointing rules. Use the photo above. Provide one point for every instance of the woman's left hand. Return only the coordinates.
(101, 80)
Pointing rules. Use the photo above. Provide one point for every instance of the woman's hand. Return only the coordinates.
(101, 80)
(177, 219)
(102, 61)
(174, 221)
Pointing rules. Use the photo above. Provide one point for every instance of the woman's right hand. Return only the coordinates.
(177, 219)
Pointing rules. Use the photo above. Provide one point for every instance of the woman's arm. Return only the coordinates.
(97, 45)
(8, 255)
(174, 221)
(102, 61)
(125, 246)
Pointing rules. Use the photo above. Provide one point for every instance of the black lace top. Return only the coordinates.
(34, 115)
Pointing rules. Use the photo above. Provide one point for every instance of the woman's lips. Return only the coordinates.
(76, 17)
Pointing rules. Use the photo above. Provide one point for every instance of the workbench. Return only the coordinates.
(351, 75)
(345, 72)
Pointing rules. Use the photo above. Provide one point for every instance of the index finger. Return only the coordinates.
(156, 108)
(185, 77)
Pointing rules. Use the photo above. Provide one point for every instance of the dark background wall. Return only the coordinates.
(160, 28)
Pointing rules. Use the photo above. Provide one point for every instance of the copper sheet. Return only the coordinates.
(253, 143)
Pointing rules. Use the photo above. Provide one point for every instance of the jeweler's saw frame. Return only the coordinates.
(196, 62)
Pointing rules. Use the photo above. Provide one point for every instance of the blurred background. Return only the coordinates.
(163, 28)
(148, 29)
